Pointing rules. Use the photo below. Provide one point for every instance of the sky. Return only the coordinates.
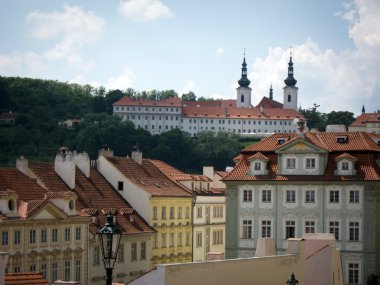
(199, 46)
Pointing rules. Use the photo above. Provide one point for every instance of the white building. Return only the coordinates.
(237, 116)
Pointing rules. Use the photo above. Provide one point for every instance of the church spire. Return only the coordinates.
(290, 80)
(363, 109)
(244, 81)
(271, 92)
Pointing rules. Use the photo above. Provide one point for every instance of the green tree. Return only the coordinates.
(190, 96)
(315, 119)
(340, 118)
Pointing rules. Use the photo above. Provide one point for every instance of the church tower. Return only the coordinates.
(243, 92)
(290, 89)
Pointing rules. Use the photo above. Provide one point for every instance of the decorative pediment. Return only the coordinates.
(47, 211)
(300, 145)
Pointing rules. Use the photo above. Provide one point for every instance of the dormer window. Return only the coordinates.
(11, 204)
(257, 166)
(310, 163)
(342, 139)
(72, 205)
(281, 141)
(345, 164)
(290, 163)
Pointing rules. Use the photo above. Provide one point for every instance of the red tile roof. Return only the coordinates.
(211, 103)
(362, 119)
(358, 145)
(239, 113)
(95, 195)
(148, 177)
(177, 175)
(170, 102)
(30, 278)
(269, 103)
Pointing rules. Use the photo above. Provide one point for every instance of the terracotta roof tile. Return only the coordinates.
(258, 155)
(269, 103)
(170, 102)
(148, 177)
(362, 119)
(29, 278)
(95, 195)
(345, 155)
(358, 145)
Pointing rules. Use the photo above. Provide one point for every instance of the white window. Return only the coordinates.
(310, 196)
(257, 166)
(290, 196)
(154, 213)
(353, 273)
(187, 238)
(54, 272)
(345, 165)
(290, 163)
(266, 196)
(17, 237)
(179, 212)
(78, 233)
(67, 234)
(354, 231)
(218, 211)
(4, 240)
(187, 213)
(155, 241)
(266, 229)
(290, 229)
(67, 270)
(334, 229)
(78, 270)
(143, 251)
(354, 196)
(247, 195)
(163, 240)
(171, 240)
(163, 213)
(247, 229)
(199, 239)
(179, 239)
(199, 212)
(134, 251)
(43, 235)
(217, 237)
(171, 212)
(334, 196)
(32, 236)
(310, 163)
(43, 269)
(309, 226)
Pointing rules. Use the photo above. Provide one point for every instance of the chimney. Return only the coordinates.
(22, 165)
(208, 171)
(3, 264)
(137, 155)
(301, 128)
(64, 166)
(105, 151)
(261, 108)
(82, 160)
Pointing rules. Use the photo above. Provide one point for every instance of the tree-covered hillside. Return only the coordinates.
(41, 106)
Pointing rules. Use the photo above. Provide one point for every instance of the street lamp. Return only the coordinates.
(292, 280)
(109, 237)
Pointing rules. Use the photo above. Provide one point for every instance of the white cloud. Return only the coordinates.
(144, 10)
(122, 81)
(71, 29)
(336, 81)
(219, 51)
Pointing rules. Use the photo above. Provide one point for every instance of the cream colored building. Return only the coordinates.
(313, 259)
(73, 173)
(164, 204)
(209, 215)
(41, 229)
(366, 122)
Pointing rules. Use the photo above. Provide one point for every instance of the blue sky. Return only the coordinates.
(198, 46)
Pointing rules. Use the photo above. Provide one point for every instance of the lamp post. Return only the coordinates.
(109, 237)
(292, 280)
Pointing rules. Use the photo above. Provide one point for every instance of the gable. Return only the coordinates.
(48, 212)
(299, 145)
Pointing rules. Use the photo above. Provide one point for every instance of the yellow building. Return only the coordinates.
(41, 229)
(165, 204)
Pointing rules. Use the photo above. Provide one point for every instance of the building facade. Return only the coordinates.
(366, 122)
(164, 204)
(288, 185)
(237, 116)
(42, 229)
(208, 212)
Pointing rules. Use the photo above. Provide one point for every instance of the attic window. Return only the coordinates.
(158, 185)
(11, 204)
(120, 185)
(281, 141)
(342, 139)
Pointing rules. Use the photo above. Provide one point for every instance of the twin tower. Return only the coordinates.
(243, 99)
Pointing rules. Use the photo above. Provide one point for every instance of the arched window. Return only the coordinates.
(242, 98)
(289, 98)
